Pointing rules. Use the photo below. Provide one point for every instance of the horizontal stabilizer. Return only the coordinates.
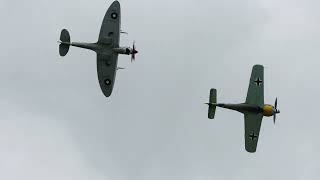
(64, 42)
(212, 103)
(64, 36)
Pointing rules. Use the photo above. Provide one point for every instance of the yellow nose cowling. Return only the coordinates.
(267, 110)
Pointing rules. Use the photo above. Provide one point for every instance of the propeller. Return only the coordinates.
(134, 52)
(276, 111)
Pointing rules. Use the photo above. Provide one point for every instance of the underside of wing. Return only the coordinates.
(255, 95)
(107, 68)
(110, 28)
(252, 123)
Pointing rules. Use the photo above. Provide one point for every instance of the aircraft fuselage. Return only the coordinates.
(266, 110)
(98, 47)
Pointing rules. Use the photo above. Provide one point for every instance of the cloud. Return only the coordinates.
(57, 123)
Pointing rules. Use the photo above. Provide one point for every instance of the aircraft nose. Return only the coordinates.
(135, 51)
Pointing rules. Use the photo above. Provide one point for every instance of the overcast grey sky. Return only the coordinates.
(55, 122)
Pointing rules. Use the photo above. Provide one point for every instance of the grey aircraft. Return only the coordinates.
(253, 109)
(107, 47)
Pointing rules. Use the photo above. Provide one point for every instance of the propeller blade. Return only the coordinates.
(275, 111)
(274, 118)
(134, 51)
(133, 57)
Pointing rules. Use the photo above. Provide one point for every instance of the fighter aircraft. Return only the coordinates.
(253, 109)
(107, 47)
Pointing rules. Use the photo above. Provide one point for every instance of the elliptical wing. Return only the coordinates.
(109, 37)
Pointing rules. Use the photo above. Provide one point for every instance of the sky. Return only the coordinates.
(55, 123)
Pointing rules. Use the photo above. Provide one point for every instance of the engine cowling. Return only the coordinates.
(122, 50)
(268, 110)
(128, 51)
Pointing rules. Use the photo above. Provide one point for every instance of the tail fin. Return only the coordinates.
(64, 42)
(212, 103)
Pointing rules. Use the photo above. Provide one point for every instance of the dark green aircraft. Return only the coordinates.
(253, 109)
(107, 47)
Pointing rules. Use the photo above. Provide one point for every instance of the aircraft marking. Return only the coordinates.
(114, 15)
(258, 81)
(253, 136)
(107, 81)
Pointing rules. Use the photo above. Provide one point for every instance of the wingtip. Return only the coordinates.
(258, 66)
(116, 3)
(251, 150)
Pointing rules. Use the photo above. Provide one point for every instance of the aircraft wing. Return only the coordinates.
(255, 95)
(107, 68)
(108, 60)
(252, 123)
(110, 28)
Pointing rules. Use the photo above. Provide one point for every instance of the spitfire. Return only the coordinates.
(107, 48)
(253, 109)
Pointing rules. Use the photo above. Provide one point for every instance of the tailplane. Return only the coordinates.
(212, 103)
(64, 42)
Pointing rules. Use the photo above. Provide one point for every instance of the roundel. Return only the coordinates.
(114, 15)
(107, 81)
